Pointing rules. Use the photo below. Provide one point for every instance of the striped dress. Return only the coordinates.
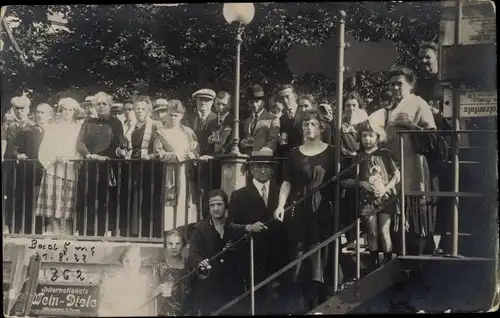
(57, 191)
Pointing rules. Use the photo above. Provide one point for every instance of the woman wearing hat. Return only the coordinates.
(56, 199)
(177, 145)
(309, 223)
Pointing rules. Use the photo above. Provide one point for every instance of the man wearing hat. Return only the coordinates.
(252, 207)
(89, 106)
(204, 124)
(205, 121)
(27, 146)
(261, 129)
(290, 130)
(12, 127)
(117, 111)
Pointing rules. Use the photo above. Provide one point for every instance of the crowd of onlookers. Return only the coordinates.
(145, 196)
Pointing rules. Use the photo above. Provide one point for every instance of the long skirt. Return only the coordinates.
(56, 197)
(180, 208)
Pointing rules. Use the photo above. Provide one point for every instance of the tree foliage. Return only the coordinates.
(172, 51)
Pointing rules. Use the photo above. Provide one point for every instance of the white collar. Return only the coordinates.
(259, 185)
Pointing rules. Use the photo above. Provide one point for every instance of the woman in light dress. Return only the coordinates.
(125, 292)
(177, 145)
(56, 199)
(410, 112)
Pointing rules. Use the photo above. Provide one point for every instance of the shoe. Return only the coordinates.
(438, 251)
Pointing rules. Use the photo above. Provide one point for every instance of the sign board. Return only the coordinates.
(473, 103)
(67, 300)
(478, 24)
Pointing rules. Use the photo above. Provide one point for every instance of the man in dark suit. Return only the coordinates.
(261, 129)
(222, 140)
(290, 130)
(204, 123)
(29, 173)
(252, 206)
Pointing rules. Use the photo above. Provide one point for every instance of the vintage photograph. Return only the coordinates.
(269, 158)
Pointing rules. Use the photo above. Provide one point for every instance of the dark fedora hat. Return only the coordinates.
(256, 92)
(261, 156)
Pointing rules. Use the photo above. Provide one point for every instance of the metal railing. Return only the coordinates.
(336, 236)
(102, 200)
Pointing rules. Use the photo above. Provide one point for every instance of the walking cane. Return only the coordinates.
(252, 278)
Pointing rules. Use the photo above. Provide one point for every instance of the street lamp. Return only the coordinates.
(240, 14)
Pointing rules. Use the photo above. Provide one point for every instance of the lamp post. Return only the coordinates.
(240, 14)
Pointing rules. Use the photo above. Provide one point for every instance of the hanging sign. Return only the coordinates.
(473, 103)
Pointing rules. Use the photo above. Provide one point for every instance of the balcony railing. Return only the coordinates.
(112, 200)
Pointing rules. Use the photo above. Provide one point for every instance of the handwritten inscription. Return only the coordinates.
(62, 251)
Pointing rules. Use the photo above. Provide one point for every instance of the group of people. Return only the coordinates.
(294, 127)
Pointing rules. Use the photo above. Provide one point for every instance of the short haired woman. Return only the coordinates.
(169, 273)
(410, 112)
(309, 223)
(56, 199)
(308, 102)
(177, 145)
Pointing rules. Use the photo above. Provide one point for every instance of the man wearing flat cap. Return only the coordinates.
(11, 127)
(260, 130)
(204, 124)
(29, 173)
(290, 130)
(252, 207)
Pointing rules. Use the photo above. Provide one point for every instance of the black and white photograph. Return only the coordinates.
(267, 158)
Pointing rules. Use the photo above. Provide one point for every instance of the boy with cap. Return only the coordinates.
(260, 130)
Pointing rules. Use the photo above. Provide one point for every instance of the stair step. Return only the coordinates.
(361, 291)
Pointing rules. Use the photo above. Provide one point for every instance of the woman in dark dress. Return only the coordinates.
(311, 222)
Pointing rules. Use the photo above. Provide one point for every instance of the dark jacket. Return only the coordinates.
(203, 131)
(101, 136)
(291, 128)
(28, 142)
(221, 285)
(247, 207)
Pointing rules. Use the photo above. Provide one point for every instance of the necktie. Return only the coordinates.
(219, 121)
(264, 194)
(254, 124)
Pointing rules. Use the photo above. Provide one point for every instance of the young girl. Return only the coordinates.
(378, 176)
(171, 302)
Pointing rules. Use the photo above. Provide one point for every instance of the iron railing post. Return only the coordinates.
(403, 199)
(338, 140)
(455, 139)
(358, 227)
(252, 277)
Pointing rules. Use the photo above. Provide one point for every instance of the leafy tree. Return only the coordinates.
(172, 51)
